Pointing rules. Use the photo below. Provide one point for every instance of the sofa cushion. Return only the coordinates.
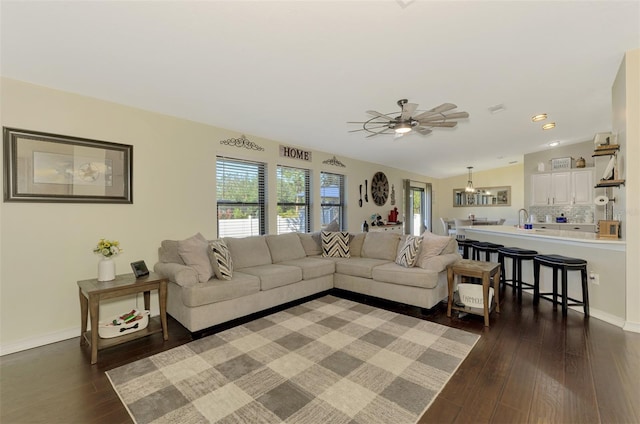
(396, 274)
(380, 246)
(216, 290)
(193, 252)
(311, 243)
(358, 267)
(168, 252)
(432, 245)
(452, 247)
(274, 275)
(333, 226)
(313, 267)
(180, 274)
(285, 247)
(409, 251)
(355, 244)
(248, 251)
(440, 262)
(221, 261)
(335, 244)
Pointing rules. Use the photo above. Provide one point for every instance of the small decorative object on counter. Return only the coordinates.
(561, 218)
(393, 216)
(365, 227)
(581, 163)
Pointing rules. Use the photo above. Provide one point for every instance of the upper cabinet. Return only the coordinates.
(562, 188)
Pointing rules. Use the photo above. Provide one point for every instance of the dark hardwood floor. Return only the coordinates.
(532, 365)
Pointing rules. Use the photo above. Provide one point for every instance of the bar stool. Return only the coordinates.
(466, 245)
(517, 255)
(486, 247)
(564, 264)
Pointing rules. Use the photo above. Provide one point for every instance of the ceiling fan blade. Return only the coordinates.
(370, 127)
(448, 124)
(378, 114)
(379, 132)
(442, 117)
(443, 107)
(422, 130)
(407, 110)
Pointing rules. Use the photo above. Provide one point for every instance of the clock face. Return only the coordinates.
(379, 189)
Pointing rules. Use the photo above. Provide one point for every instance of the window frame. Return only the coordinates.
(307, 204)
(341, 204)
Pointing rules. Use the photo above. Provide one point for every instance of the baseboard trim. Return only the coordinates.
(632, 326)
(30, 343)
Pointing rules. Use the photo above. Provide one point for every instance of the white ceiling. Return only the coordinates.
(296, 72)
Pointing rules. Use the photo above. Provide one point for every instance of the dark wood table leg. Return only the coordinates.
(84, 311)
(450, 277)
(162, 297)
(94, 304)
(147, 300)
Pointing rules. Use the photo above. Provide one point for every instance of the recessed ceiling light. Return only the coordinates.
(549, 126)
(497, 108)
(539, 117)
(554, 143)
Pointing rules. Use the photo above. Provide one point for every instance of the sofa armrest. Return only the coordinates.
(182, 275)
(439, 263)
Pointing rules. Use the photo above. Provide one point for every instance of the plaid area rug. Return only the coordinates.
(329, 360)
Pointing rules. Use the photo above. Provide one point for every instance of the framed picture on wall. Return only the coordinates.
(42, 167)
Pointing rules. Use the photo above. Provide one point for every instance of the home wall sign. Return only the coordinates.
(42, 167)
(295, 153)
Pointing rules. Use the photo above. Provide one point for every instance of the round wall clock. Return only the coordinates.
(379, 189)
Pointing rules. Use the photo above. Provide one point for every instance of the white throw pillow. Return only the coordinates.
(335, 244)
(409, 251)
(221, 260)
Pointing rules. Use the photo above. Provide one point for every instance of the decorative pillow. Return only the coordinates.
(193, 252)
(432, 245)
(335, 244)
(220, 259)
(409, 252)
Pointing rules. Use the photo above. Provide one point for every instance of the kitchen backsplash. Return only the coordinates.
(575, 214)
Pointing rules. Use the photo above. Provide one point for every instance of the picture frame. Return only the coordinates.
(139, 269)
(44, 167)
(560, 163)
(482, 196)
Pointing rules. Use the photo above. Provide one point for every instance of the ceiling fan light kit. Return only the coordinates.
(406, 122)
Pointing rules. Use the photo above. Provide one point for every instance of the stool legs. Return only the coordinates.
(585, 291)
(563, 270)
(536, 282)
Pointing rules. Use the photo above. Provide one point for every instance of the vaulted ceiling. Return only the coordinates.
(296, 72)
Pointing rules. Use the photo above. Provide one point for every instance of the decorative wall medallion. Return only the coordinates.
(379, 188)
(335, 162)
(242, 142)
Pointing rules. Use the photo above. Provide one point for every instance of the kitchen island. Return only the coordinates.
(605, 257)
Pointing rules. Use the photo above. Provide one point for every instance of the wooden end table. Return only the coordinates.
(93, 291)
(476, 269)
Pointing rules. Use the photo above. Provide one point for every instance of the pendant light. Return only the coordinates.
(469, 188)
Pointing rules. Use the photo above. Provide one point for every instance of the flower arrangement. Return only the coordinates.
(108, 248)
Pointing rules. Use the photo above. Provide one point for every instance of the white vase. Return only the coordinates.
(106, 269)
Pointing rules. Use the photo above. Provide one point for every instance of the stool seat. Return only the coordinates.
(516, 251)
(484, 246)
(517, 255)
(562, 264)
(560, 260)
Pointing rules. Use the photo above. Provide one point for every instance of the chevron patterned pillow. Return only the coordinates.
(408, 253)
(220, 258)
(335, 244)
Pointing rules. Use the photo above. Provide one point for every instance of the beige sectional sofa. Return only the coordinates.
(272, 270)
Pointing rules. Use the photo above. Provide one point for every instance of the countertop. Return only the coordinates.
(557, 235)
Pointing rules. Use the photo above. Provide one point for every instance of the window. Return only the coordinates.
(332, 198)
(241, 193)
(293, 200)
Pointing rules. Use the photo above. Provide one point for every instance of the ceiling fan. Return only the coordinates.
(406, 122)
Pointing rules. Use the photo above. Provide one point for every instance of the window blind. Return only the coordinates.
(332, 198)
(294, 194)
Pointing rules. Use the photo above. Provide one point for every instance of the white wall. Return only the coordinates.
(45, 248)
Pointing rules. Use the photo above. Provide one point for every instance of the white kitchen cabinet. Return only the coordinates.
(562, 188)
(551, 189)
(582, 187)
